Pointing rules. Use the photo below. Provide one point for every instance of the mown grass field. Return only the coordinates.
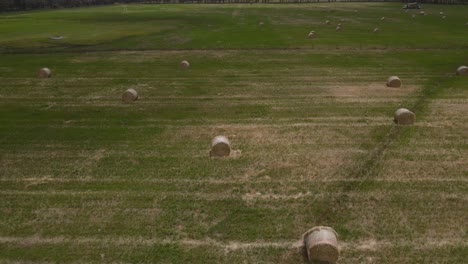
(85, 178)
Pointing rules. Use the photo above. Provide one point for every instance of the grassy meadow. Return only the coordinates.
(86, 178)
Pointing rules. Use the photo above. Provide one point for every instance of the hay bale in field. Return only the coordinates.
(462, 70)
(129, 96)
(260, 24)
(339, 25)
(321, 244)
(393, 81)
(311, 35)
(443, 17)
(441, 12)
(403, 116)
(327, 22)
(422, 13)
(338, 28)
(382, 18)
(56, 37)
(44, 73)
(184, 65)
(376, 30)
(220, 147)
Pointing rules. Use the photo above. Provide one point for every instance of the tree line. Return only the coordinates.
(17, 5)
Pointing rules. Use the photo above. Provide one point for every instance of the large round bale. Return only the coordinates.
(338, 28)
(184, 65)
(382, 18)
(403, 116)
(393, 81)
(44, 73)
(321, 244)
(462, 70)
(220, 147)
(376, 30)
(327, 22)
(129, 96)
(311, 35)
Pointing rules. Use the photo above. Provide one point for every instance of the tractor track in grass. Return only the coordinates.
(365, 171)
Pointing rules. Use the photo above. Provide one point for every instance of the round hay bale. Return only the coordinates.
(441, 12)
(443, 17)
(56, 37)
(338, 28)
(44, 73)
(393, 81)
(462, 70)
(129, 96)
(311, 35)
(376, 30)
(261, 23)
(321, 244)
(184, 65)
(403, 116)
(220, 147)
(339, 25)
(327, 22)
(382, 18)
(422, 13)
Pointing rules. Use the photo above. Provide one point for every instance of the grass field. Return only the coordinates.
(85, 178)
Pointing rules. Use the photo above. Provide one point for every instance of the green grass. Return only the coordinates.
(86, 178)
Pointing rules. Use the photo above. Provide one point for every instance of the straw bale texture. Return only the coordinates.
(403, 116)
(462, 70)
(393, 81)
(321, 244)
(184, 65)
(44, 73)
(130, 95)
(220, 147)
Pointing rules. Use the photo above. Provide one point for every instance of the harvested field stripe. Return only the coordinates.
(228, 245)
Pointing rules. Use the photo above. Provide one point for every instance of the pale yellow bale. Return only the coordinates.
(462, 70)
(220, 147)
(393, 81)
(44, 73)
(129, 96)
(403, 116)
(321, 244)
(184, 65)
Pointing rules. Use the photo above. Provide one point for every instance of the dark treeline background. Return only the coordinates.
(15, 5)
